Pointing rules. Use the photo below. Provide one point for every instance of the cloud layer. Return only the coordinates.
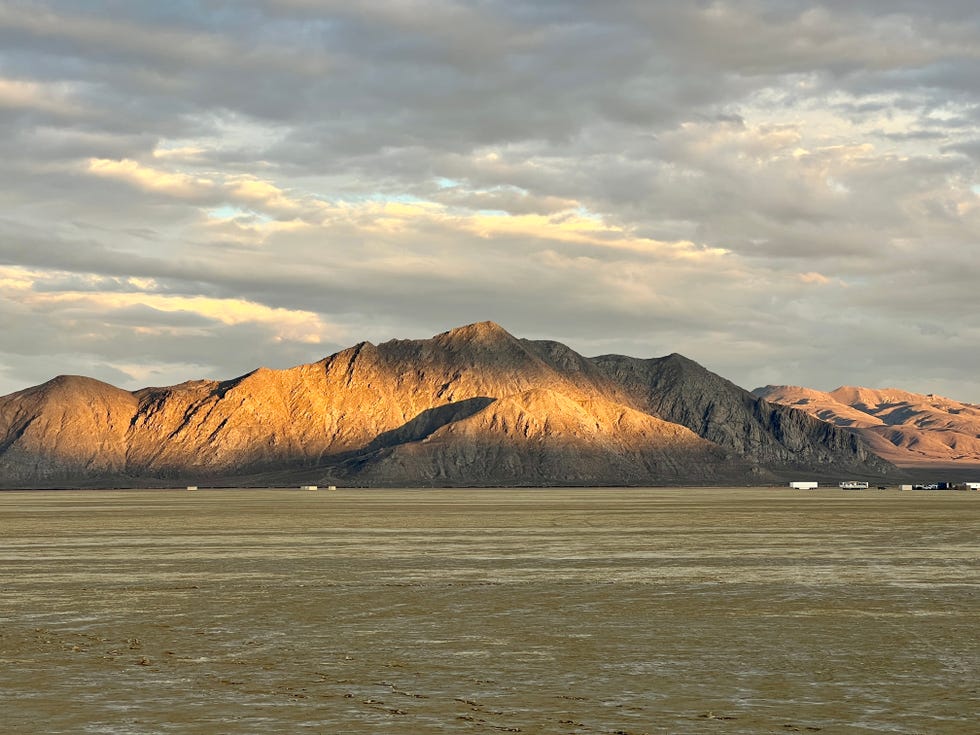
(787, 192)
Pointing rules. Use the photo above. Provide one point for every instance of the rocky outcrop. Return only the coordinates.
(472, 406)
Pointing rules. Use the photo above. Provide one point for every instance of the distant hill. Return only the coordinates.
(472, 406)
(908, 429)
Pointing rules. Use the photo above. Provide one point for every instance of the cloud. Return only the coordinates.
(149, 179)
(33, 96)
(71, 323)
(757, 184)
(817, 279)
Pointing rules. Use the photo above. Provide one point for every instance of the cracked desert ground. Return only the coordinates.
(476, 611)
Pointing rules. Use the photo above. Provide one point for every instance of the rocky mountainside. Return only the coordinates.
(472, 406)
(67, 427)
(908, 429)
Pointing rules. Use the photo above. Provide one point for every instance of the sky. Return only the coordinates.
(787, 192)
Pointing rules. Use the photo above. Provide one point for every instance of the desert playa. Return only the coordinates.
(481, 611)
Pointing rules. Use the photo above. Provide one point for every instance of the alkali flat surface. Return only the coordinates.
(481, 611)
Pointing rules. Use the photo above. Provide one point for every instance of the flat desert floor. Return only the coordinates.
(481, 611)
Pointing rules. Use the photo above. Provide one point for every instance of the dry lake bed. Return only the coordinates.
(485, 611)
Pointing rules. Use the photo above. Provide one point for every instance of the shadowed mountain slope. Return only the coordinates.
(543, 437)
(471, 406)
(680, 390)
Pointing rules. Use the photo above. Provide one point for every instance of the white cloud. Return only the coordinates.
(182, 186)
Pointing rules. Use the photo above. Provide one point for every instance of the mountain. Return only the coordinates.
(681, 391)
(70, 426)
(471, 406)
(908, 429)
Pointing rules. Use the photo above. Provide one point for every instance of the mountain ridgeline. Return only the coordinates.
(908, 429)
(472, 406)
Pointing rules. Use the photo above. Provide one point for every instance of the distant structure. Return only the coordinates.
(804, 485)
(972, 485)
(332, 487)
(904, 487)
(853, 485)
(192, 487)
(308, 487)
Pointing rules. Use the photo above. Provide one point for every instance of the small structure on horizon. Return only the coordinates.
(904, 487)
(972, 485)
(192, 487)
(804, 485)
(332, 487)
(308, 487)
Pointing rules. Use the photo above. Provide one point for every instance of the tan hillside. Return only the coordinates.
(824, 406)
(908, 429)
(69, 424)
(341, 404)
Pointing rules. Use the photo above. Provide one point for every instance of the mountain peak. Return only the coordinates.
(857, 396)
(790, 394)
(485, 332)
(80, 386)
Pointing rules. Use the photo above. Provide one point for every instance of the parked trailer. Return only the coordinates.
(804, 485)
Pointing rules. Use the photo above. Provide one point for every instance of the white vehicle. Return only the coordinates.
(853, 485)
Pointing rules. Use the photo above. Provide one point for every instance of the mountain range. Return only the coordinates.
(474, 406)
(908, 429)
